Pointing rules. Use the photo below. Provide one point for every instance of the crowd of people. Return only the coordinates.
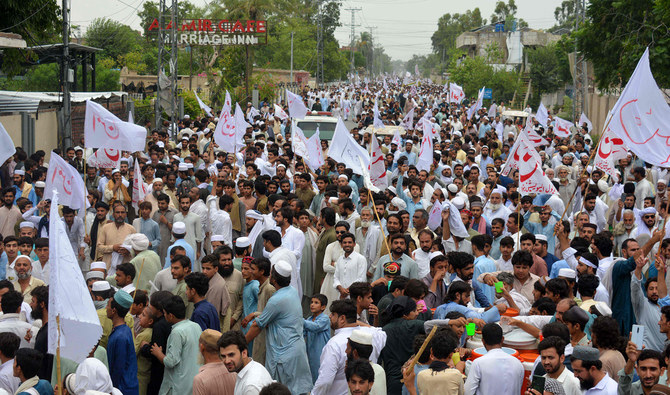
(251, 273)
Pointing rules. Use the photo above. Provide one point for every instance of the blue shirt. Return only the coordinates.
(411, 157)
(547, 230)
(550, 259)
(205, 315)
(483, 129)
(189, 253)
(150, 228)
(122, 360)
(490, 315)
(411, 206)
(317, 334)
(3, 265)
(42, 387)
(484, 265)
(31, 195)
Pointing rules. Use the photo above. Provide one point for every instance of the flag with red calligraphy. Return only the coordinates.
(562, 127)
(377, 166)
(641, 117)
(224, 134)
(532, 179)
(105, 158)
(425, 159)
(315, 157)
(102, 129)
(477, 105)
(280, 113)
(456, 94)
(65, 179)
(610, 149)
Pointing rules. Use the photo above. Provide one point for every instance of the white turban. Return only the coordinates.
(396, 201)
(91, 375)
(254, 214)
(138, 241)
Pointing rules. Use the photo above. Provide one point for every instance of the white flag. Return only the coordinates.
(584, 120)
(253, 113)
(241, 126)
(532, 179)
(6, 145)
(296, 107)
(315, 158)
(416, 69)
(377, 166)
(435, 216)
(377, 122)
(102, 129)
(105, 158)
(456, 94)
(425, 159)
(542, 115)
(397, 140)
(224, 133)
(408, 121)
(280, 113)
(499, 130)
(610, 149)
(69, 298)
(493, 110)
(204, 107)
(641, 117)
(562, 128)
(65, 179)
(455, 222)
(299, 142)
(474, 108)
(140, 190)
(344, 149)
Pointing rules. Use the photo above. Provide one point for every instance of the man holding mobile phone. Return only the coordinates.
(647, 364)
(552, 354)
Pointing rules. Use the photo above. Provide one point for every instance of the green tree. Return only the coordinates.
(114, 38)
(37, 21)
(565, 15)
(615, 35)
(450, 26)
(507, 13)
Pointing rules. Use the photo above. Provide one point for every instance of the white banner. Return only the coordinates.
(224, 133)
(69, 298)
(296, 107)
(344, 149)
(204, 107)
(315, 158)
(562, 128)
(478, 104)
(299, 141)
(280, 113)
(435, 216)
(425, 159)
(408, 121)
(456, 94)
(542, 115)
(532, 179)
(377, 121)
(105, 158)
(397, 140)
(64, 179)
(377, 166)
(241, 126)
(102, 129)
(610, 149)
(584, 120)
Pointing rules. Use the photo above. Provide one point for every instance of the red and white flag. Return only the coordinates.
(377, 166)
(456, 94)
(397, 140)
(140, 189)
(280, 113)
(532, 179)
(435, 216)
(425, 159)
(562, 128)
(376, 120)
(102, 129)
(610, 149)
(105, 158)
(408, 121)
(641, 117)
(241, 126)
(542, 115)
(299, 142)
(315, 158)
(224, 133)
(478, 104)
(64, 179)
(296, 107)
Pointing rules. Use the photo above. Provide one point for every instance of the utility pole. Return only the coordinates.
(580, 77)
(291, 57)
(372, 48)
(319, 44)
(166, 86)
(67, 74)
(353, 34)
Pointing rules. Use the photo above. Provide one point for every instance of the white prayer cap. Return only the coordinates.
(541, 237)
(100, 286)
(254, 214)
(98, 265)
(453, 188)
(91, 375)
(27, 224)
(393, 190)
(179, 228)
(115, 171)
(602, 185)
(567, 273)
(361, 337)
(182, 167)
(40, 184)
(283, 268)
(217, 238)
(189, 165)
(603, 309)
(242, 242)
(458, 202)
(332, 200)
(187, 116)
(19, 172)
(157, 180)
(660, 181)
(458, 134)
(396, 201)
(125, 160)
(343, 176)
(138, 241)
(175, 157)
(96, 274)
(160, 144)
(78, 148)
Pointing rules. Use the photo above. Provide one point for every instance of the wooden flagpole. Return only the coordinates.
(422, 349)
(59, 388)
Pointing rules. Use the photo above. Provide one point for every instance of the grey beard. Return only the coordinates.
(100, 304)
(23, 276)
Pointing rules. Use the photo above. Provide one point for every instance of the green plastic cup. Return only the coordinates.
(470, 328)
(499, 286)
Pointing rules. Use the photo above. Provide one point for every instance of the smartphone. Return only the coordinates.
(538, 383)
(637, 336)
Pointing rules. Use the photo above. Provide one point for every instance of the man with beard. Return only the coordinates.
(566, 186)
(646, 223)
(22, 188)
(234, 284)
(495, 207)
(39, 303)
(156, 191)
(25, 282)
(112, 235)
(360, 377)
(552, 354)
(272, 242)
(193, 235)
(331, 379)
(648, 364)
(9, 213)
(99, 220)
(423, 254)
(369, 237)
(646, 308)
(408, 266)
(587, 367)
(217, 293)
(291, 237)
(251, 375)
